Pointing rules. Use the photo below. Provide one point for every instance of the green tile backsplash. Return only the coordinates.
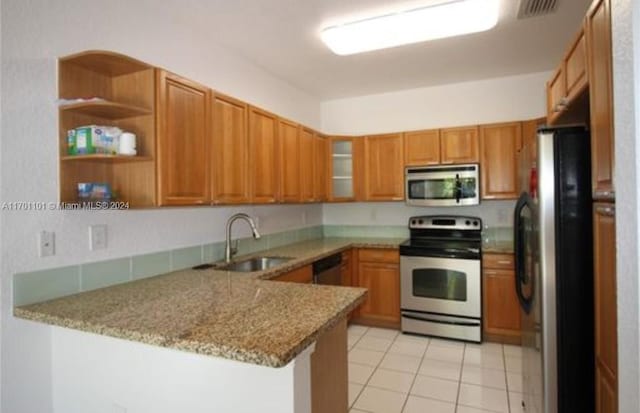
(105, 273)
(148, 265)
(36, 286)
(186, 258)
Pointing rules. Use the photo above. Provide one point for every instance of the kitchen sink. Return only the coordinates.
(255, 264)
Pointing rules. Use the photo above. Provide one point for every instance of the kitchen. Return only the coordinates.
(36, 35)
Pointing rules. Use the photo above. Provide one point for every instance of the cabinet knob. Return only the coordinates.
(604, 194)
(608, 211)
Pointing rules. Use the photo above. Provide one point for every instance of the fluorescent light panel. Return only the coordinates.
(449, 19)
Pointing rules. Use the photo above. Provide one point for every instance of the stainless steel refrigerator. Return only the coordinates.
(554, 273)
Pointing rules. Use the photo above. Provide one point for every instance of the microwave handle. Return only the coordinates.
(458, 189)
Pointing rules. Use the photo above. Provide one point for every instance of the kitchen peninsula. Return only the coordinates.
(228, 341)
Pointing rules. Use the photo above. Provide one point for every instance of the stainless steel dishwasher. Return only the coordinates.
(327, 270)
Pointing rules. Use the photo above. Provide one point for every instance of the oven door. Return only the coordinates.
(447, 286)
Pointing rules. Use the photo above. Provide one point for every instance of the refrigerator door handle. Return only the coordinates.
(521, 277)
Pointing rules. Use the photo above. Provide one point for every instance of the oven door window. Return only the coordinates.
(439, 283)
(441, 188)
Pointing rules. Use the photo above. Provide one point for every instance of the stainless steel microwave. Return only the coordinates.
(446, 185)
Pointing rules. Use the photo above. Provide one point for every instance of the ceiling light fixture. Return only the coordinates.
(452, 18)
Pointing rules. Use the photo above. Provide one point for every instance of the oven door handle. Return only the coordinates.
(454, 323)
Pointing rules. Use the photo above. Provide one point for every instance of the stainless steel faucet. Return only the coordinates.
(230, 251)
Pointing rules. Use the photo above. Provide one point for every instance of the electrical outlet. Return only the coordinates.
(46, 243)
(97, 237)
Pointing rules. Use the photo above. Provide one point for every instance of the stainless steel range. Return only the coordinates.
(440, 277)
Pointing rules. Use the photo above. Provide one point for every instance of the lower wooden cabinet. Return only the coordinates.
(501, 310)
(606, 334)
(378, 270)
(346, 272)
(301, 275)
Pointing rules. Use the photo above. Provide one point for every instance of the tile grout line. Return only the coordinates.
(464, 356)
(415, 376)
(374, 370)
(349, 361)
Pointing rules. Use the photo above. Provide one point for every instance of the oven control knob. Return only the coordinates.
(413, 222)
(475, 223)
(420, 221)
(467, 222)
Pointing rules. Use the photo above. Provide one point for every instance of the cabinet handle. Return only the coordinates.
(604, 194)
(608, 211)
(564, 101)
(504, 262)
(489, 272)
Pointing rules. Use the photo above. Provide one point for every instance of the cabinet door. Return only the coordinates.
(459, 145)
(319, 168)
(306, 165)
(606, 342)
(422, 147)
(384, 175)
(359, 169)
(383, 283)
(575, 64)
(263, 156)
(183, 141)
(289, 138)
(600, 95)
(499, 146)
(302, 275)
(501, 307)
(606, 393)
(555, 94)
(230, 151)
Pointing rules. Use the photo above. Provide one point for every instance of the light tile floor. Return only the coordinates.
(390, 372)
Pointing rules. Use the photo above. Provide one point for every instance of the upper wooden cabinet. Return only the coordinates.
(183, 141)
(499, 147)
(422, 147)
(565, 89)
(606, 331)
(289, 140)
(320, 146)
(459, 145)
(346, 169)
(575, 67)
(127, 88)
(556, 91)
(384, 174)
(598, 24)
(230, 151)
(263, 158)
(530, 134)
(306, 166)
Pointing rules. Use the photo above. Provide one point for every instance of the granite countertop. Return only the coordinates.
(239, 316)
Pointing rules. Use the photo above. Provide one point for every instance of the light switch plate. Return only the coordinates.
(46, 243)
(97, 237)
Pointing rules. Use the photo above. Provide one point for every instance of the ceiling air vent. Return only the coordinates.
(535, 8)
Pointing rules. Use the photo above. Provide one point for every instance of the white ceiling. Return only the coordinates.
(282, 37)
